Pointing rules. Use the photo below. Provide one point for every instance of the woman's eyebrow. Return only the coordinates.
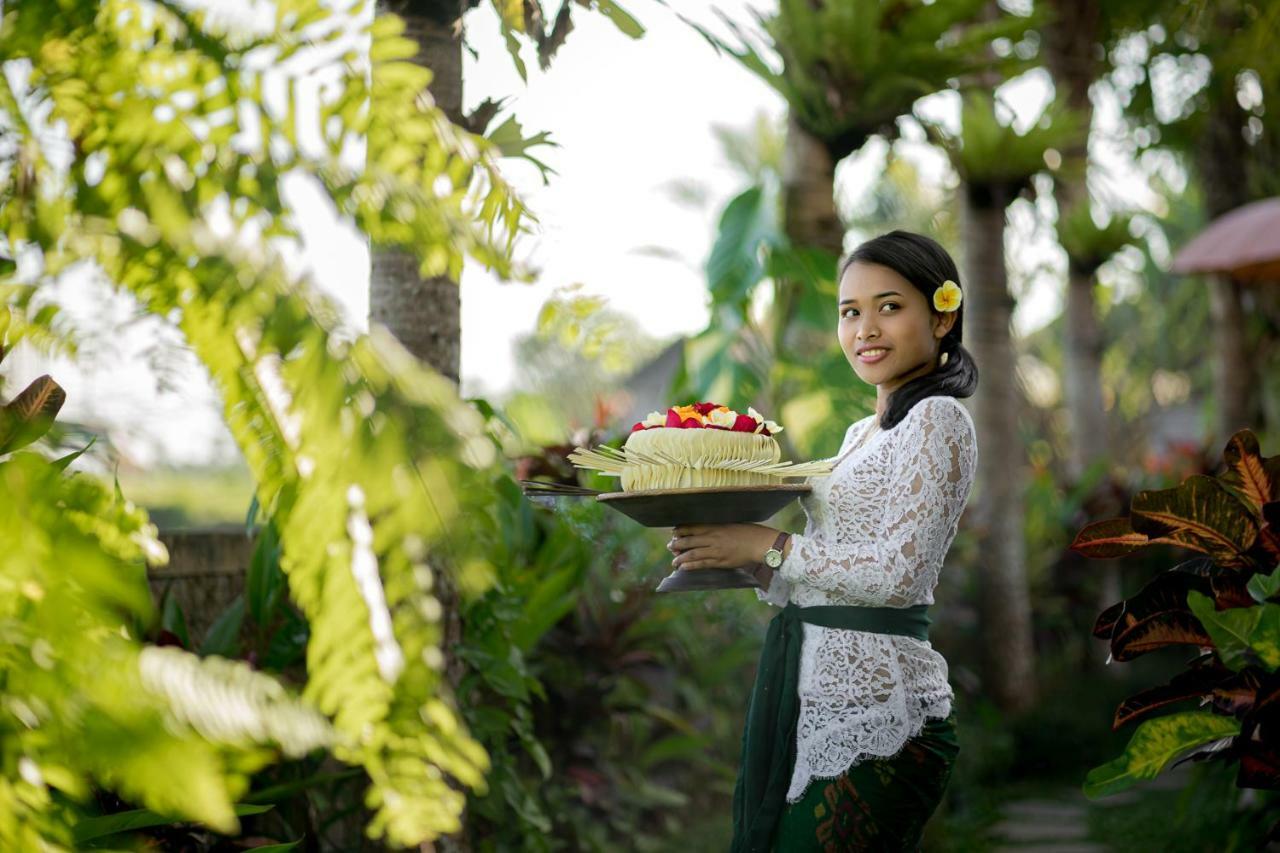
(877, 296)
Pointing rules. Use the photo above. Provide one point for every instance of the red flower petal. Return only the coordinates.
(744, 423)
(638, 425)
(691, 423)
(673, 420)
(705, 408)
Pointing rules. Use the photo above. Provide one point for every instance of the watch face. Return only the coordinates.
(773, 558)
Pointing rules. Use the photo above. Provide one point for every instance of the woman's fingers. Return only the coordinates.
(686, 542)
(695, 558)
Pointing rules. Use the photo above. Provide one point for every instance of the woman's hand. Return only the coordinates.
(719, 546)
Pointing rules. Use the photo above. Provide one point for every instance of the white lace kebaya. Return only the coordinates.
(877, 530)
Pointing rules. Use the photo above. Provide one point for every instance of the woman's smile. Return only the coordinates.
(872, 356)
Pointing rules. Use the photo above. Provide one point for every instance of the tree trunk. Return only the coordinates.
(1221, 157)
(1082, 369)
(1072, 46)
(810, 221)
(808, 181)
(425, 313)
(1232, 375)
(1004, 601)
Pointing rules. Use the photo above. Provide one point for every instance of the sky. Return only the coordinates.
(629, 117)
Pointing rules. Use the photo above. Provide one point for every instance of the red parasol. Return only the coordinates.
(1243, 243)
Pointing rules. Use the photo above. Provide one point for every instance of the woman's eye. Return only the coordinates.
(847, 311)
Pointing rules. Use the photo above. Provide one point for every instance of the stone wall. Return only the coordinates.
(206, 571)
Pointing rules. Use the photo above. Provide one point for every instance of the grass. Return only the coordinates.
(190, 496)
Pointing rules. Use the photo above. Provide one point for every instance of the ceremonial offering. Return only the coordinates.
(697, 446)
(700, 464)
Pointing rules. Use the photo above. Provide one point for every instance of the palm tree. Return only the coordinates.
(996, 165)
(424, 312)
(1231, 148)
(1072, 41)
(850, 69)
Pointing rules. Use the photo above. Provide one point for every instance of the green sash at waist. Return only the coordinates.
(769, 737)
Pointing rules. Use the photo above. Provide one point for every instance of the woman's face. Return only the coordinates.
(881, 309)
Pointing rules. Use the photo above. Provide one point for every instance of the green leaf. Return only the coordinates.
(1229, 629)
(172, 618)
(112, 824)
(277, 848)
(679, 748)
(223, 638)
(1261, 587)
(621, 18)
(1154, 744)
(734, 267)
(62, 462)
(264, 580)
(1264, 639)
(511, 12)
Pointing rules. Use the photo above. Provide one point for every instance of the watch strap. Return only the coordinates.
(783, 536)
(777, 545)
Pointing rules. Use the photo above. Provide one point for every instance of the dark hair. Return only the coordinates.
(922, 261)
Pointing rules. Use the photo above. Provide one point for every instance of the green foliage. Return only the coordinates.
(1210, 51)
(1089, 245)
(849, 70)
(362, 458)
(1155, 743)
(528, 21)
(87, 704)
(1209, 813)
(989, 152)
(748, 357)
(608, 724)
(1226, 604)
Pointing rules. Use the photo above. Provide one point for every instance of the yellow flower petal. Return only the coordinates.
(947, 298)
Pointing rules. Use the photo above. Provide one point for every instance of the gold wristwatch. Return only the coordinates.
(773, 557)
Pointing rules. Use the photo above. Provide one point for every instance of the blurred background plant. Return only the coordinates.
(610, 717)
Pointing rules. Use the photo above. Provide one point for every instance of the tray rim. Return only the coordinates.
(799, 488)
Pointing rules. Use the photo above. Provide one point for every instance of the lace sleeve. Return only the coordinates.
(779, 591)
(889, 542)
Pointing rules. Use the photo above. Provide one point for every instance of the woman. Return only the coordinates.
(850, 736)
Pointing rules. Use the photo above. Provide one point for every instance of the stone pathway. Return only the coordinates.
(1059, 823)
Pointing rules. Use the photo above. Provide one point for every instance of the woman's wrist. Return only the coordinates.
(762, 572)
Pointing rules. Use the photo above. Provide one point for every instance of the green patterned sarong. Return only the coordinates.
(768, 740)
(879, 804)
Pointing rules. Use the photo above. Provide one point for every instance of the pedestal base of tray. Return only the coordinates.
(706, 505)
(692, 580)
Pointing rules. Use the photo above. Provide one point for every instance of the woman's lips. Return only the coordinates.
(872, 356)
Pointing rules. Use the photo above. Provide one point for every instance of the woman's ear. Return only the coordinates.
(942, 326)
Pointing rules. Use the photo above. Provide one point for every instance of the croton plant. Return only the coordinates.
(1225, 603)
